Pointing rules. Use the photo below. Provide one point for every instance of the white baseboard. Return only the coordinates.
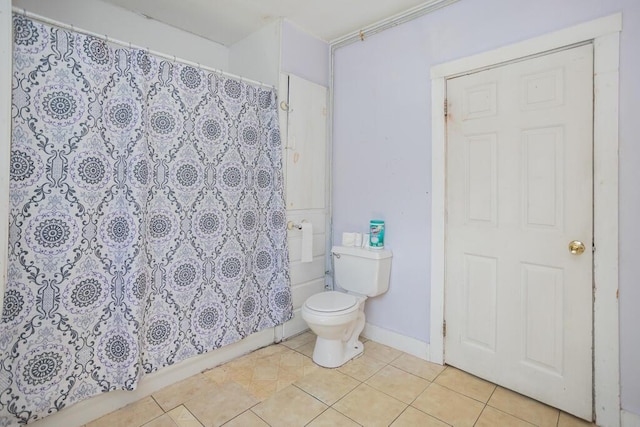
(400, 342)
(629, 419)
(97, 406)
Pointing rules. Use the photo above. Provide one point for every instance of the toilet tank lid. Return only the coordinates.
(362, 252)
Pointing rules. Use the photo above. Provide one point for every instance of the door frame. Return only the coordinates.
(604, 33)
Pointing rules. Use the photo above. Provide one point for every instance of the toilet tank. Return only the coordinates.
(362, 271)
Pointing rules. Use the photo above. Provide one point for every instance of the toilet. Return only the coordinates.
(337, 317)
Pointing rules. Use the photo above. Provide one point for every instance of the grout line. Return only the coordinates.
(304, 391)
(480, 414)
(360, 382)
(325, 410)
(464, 395)
(400, 414)
(251, 409)
(192, 414)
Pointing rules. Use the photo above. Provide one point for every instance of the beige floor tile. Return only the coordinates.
(292, 361)
(265, 372)
(219, 375)
(492, 417)
(135, 414)
(239, 371)
(299, 340)
(332, 418)
(272, 360)
(263, 376)
(448, 406)
(250, 359)
(398, 383)
(567, 420)
(467, 384)
(162, 421)
(370, 407)
(289, 407)
(327, 385)
(217, 408)
(285, 379)
(310, 366)
(183, 418)
(381, 352)
(262, 390)
(411, 417)
(416, 366)
(307, 349)
(524, 408)
(178, 393)
(247, 419)
(362, 368)
(267, 351)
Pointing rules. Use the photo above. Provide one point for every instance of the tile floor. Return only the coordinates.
(280, 385)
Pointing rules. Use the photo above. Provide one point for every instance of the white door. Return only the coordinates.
(518, 303)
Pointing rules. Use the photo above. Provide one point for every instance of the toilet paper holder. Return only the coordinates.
(292, 225)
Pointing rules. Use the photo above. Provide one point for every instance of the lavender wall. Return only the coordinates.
(381, 145)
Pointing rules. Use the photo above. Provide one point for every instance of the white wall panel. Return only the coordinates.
(258, 55)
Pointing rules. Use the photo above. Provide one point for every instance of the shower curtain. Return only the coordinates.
(147, 218)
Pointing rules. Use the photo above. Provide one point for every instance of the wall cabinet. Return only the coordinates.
(303, 125)
(305, 113)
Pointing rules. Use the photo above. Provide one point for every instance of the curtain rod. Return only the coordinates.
(108, 39)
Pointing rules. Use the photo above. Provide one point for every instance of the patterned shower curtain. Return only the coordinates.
(147, 218)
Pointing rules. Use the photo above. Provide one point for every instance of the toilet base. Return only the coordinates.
(332, 353)
(335, 353)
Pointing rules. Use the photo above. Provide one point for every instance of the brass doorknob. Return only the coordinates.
(576, 247)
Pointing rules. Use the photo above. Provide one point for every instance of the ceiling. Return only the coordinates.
(229, 21)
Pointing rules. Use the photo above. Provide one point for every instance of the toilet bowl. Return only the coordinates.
(337, 319)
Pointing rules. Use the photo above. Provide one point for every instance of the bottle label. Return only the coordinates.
(376, 234)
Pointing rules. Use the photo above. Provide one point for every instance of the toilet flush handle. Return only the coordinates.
(336, 255)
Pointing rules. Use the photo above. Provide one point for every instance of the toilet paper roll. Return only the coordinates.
(357, 241)
(307, 242)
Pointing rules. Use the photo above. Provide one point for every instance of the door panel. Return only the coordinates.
(518, 304)
(480, 296)
(542, 163)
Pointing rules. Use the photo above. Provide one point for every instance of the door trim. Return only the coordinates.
(604, 33)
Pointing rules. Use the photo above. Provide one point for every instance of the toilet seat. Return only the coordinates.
(332, 302)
